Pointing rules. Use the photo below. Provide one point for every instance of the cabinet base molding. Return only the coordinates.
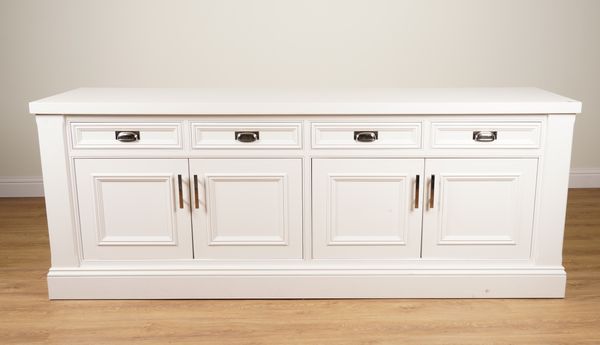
(260, 284)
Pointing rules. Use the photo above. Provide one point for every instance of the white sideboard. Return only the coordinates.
(383, 193)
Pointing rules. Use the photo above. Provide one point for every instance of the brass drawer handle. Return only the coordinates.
(485, 136)
(180, 185)
(127, 136)
(366, 136)
(247, 136)
(432, 192)
(417, 190)
(196, 196)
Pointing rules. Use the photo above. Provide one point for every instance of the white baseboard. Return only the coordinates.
(32, 186)
(21, 186)
(584, 178)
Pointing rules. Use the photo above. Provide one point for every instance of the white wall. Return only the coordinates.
(51, 46)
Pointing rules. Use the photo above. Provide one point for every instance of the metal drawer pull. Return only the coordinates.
(180, 183)
(432, 192)
(485, 136)
(247, 137)
(417, 189)
(366, 136)
(196, 197)
(127, 136)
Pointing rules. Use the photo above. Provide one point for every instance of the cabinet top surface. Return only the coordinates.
(178, 101)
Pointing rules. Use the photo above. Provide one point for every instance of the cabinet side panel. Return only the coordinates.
(59, 204)
(552, 198)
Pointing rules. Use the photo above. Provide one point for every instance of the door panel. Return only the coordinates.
(482, 209)
(365, 208)
(248, 208)
(129, 209)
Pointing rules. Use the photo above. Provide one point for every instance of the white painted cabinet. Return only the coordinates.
(247, 208)
(367, 208)
(479, 208)
(130, 209)
(387, 193)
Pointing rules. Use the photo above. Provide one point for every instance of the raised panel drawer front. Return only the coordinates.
(134, 209)
(486, 135)
(479, 208)
(366, 135)
(247, 208)
(87, 135)
(367, 208)
(246, 135)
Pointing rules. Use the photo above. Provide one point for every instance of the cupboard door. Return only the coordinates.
(367, 208)
(129, 209)
(482, 208)
(247, 208)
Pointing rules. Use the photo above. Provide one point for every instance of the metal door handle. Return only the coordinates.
(127, 136)
(247, 136)
(366, 136)
(485, 136)
(180, 184)
(417, 189)
(196, 197)
(432, 192)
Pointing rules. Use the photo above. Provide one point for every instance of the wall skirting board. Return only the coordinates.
(21, 186)
(584, 178)
(32, 186)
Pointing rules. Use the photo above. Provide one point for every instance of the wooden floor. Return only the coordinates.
(27, 317)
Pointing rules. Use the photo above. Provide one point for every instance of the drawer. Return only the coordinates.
(366, 135)
(246, 135)
(486, 134)
(87, 135)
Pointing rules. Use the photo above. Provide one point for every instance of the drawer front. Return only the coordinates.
(486, 134)
(87, 135)
(246, 135)
(366, 135)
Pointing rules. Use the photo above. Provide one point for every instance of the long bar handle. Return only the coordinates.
(432, 192)
(417, 190)
(196, 197)
(180, 184)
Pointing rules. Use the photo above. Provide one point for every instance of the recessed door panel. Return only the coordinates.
(129, 209)
(366, 208)
(481, 208)
(247, 208)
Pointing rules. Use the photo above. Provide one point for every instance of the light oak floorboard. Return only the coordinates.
(28, 317)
